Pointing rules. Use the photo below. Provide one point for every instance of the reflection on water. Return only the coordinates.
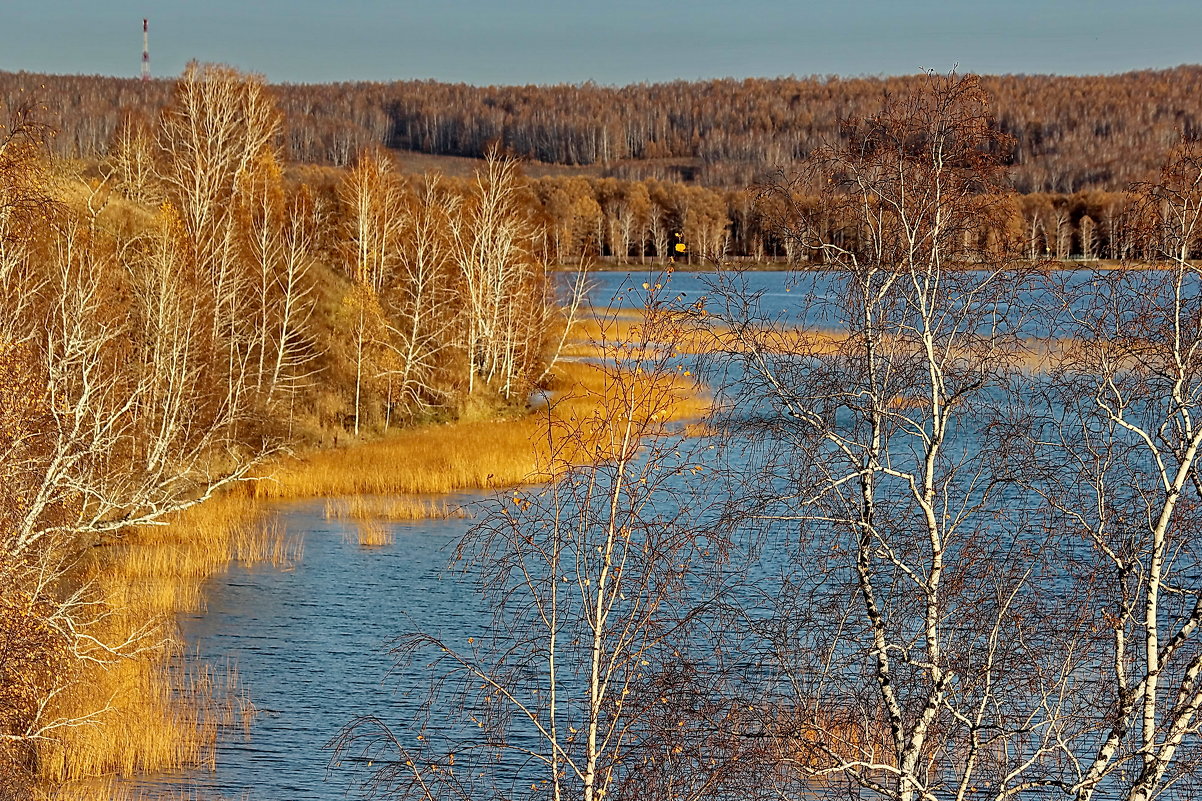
(311, 645)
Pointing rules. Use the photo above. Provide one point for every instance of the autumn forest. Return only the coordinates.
(924, 529)
(618, 170)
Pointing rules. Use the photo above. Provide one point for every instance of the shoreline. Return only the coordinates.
(167, 708)
(1048, 265)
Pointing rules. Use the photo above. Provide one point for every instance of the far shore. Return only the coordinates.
(608, 265)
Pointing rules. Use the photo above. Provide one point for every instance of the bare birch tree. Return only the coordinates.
(372, 197)
(1122, 440)
(592, 579)
(423, 300)
(25, 210)
(506, 284)
(278, 239)
(907, 619)
(132, 166)
(222, 124)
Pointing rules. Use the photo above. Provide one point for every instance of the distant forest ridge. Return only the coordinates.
(1071, 134)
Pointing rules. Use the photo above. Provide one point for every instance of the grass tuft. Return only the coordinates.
(373, 533)
(394, 508)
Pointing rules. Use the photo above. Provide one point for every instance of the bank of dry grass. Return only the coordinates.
(693, 335)
(585, 400)
(141, 703)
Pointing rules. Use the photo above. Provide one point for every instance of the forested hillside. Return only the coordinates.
(1069, 134)
(179, 316)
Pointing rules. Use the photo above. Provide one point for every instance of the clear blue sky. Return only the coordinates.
(608, 41)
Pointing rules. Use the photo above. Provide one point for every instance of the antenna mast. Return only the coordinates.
(145, 50)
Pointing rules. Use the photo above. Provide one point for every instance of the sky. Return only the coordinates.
(611, 42)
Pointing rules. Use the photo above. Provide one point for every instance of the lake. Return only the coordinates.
(310, 643)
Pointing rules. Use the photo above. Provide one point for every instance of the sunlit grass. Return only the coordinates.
(373, 533)
(147, 707)
(694, 333)
(485, 454)
(111, 789)
(149, 714)
(395, 508)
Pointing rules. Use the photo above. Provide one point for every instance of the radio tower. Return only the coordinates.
(145, 50)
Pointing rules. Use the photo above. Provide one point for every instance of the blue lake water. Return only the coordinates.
(310, 643)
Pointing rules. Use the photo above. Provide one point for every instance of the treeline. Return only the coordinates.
(1069, 134)
(627, 223)
(188, 313)
(637, 222)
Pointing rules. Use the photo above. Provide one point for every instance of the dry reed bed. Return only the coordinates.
(391, 508)
(690, 334)
(372, 514)
(589, 400)
(151, 707)
(111, 789)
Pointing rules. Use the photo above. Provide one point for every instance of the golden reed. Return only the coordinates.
(484, 454)
(153, 708)
(161, 711)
